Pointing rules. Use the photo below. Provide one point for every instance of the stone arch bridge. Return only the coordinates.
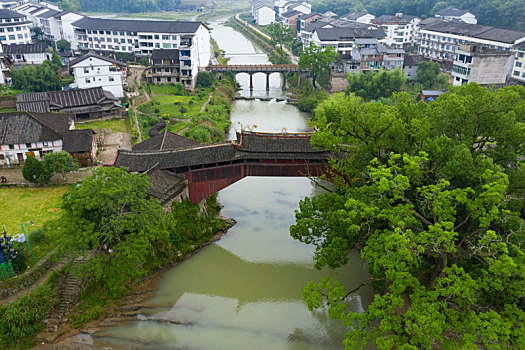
(252, 69)
(207, 169)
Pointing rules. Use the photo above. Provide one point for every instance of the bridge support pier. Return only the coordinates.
(267, 82)
(284, 81)
(251, 82)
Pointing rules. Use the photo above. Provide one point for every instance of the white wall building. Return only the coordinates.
(360, 17)
(303, 7)
(27, 53)
(477, 64)
(518, 69)
(14, 28)
(401, 30)
(7, 4)
(94, 70)
(438, 39)
(452, 13)
(262, 14)
(343, 39)
(31, 10)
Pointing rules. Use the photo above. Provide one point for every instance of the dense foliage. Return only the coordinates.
(376, 84)
(60, 162)
(111, 215)
(23, 318)
(35, 171)
(497, 13)
(318, 61)
(132, 6)
(204, 79)
(429, 75)
(44, 77)
(433, 196)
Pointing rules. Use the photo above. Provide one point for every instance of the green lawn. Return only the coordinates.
(116, 125)
(160, 105)
(22, 204)
(164, 89)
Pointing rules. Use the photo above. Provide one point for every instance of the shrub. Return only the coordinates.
(21, 258)
(204, 79)
(37, 236)
(35, 171)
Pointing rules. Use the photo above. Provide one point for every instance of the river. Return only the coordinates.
(244, 291)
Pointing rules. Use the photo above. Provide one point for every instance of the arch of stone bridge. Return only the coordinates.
(267, 76)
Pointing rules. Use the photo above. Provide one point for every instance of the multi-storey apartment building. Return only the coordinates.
(14, 28)
(166, 68)
(343, 39)
(439, 39)
(475, 63)
(518, 70)
(401, 30)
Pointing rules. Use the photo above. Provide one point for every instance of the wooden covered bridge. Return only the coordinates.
(252, 69)
(171, 160)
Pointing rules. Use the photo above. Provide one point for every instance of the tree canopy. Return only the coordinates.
(44, 77)
(60, 162)
(318, 61)
(433, 196)
(429, 75)
(376, 84)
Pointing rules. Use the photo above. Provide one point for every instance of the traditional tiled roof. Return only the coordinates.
(520, 45)
(6, 13)
(303, 17)
(289, 14)
(385, 19)
(354, 15)
(49, 13)
(451, 11)
(100, 57)
(164, 185)
(24, 49)
(336, 34)
(310, 27)
(44, 102)
(165, 141)
(412, 60)
(250, 147)
(165, 54)
(475, 31)
(21, 127)
(78, 141)
(60, 122)
(144, 26)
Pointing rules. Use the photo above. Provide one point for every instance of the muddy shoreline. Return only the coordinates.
(122, 310)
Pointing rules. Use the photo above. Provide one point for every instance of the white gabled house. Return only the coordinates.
(27, 53)
(93, 70)
(452, 13)
(262, 14)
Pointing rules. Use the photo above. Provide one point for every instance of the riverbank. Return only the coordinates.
(125, 309)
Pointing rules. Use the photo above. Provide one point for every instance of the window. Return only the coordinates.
(122, 41)
(1, 30)
(115, 33)
(166, 45)
(28, 145)
(10, 29)
(156, 36)
(88, 81)
(108, 32)
(112, 69)
(2, 37)
(122, 33)
(18, 29)
(157, 45)
(518, 64)
(165, 37)
(11, 37)
(11, 146)
(111, 79)
(86, 70)
(44, 143)
(109, 40)
(516, 73)
(520, 54)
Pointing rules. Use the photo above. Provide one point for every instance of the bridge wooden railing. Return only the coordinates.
(256, 68)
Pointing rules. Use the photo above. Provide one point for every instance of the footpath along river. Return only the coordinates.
(244, 291)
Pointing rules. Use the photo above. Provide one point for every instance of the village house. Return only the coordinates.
(411, 64)
(370, 55)
(82, 103)
(290, 18)
(343, 39)
(474, 63)
(360, 17)
(165, 68)
(452, 13)
(262, 14)
(92, 70)
(27, 53)
(26, 134)
(401, 30)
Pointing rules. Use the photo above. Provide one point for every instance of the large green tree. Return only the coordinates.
(35, 171)
(433, 195)
(318, 61)
(429, 75)
(376, 84)
(280, 35)
(60, 162)
(44, 77)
